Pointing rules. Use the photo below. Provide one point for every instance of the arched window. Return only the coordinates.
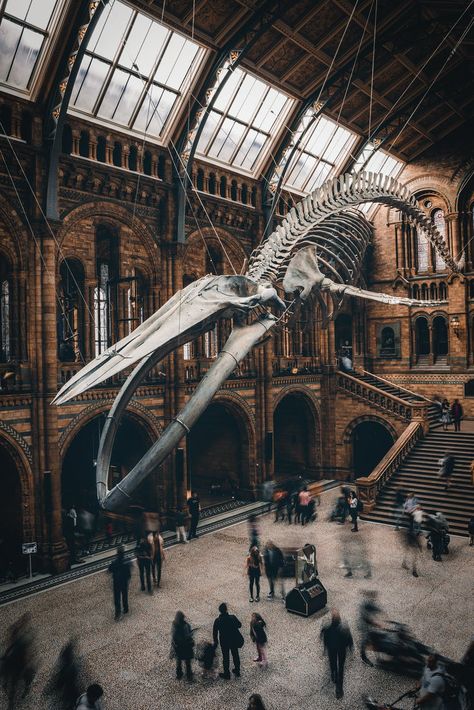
(433, 292)
(117, 154)
(443, 291)
(66, 143)
(200, 179)
(422, 336)
(6, 119)
(147, 163)
(416, 292)
(212, 184)
(223, 186)
(422, 251)
(440, 337)
(387, 342)
(253, 199)
(84, 144)
(214, 260)
(471, 289)
(210, 343)
(70, 311)
(233, 190)
(132, 158)
(161, 167)
(437, 217)
(424, 292)
(101, 144)
(136, 301)
(469, 388)
(245, 193)
(5, 310)
(104, 292)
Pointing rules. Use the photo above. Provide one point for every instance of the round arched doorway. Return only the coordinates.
(218, 453)
(78, 482)
(370, 442)
(295, 437)
(11, 522)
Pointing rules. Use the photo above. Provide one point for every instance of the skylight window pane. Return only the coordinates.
(335, 145)
(247, 99)
(270, 110)
(302, 169)
(154, 114)
(208, 130)
(128, 102)
(33, 12)
(109, 31)
(176, 62)
(227, 140)
(319, 176)
(319, 137)
(250, 149)
(89, 83)
(144, 45)
(10, 34)
(115, 89)
(228, 90)
(25, 58)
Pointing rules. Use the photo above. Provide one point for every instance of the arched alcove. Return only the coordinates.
(370, 441)
(295, 428)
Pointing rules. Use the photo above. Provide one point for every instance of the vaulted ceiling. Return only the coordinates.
(419, 80)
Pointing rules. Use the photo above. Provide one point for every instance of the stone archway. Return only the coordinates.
(221, 451)
(370, 439)
(16, 506)
(296, 435)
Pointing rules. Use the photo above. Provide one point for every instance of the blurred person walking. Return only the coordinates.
(226, 632)
(446, 468)
(121, 573)
(18, 663)
(273, 562)
(91, 699)
(259, 637)
(182, 645)
(445, 414)
(66, 680)
(254, 532)
(253, 566)
(354, 511)
(144, 561)
(158, 557)
(412, 545)
(369, 614)
(337, 640)
(194, 507)
(180, 529)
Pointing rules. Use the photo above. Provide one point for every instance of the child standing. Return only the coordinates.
(259, 637)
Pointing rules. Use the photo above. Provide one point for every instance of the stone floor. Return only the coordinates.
(130, 658)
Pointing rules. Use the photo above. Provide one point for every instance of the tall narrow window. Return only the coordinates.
(440, 223)
(70, 313)
(5, 321)
(423, 251)
(101, 310)
(210, 343)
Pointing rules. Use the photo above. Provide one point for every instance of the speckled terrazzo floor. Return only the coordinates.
(131, 658)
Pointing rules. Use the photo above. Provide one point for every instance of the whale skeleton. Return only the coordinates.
(318, 249)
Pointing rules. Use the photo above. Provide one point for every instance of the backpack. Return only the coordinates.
(360, 506)
(450, 695)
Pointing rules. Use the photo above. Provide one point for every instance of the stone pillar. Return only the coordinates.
(48, 433)
(268, 394)
(16, 121)
(76, 137)
(92, 148)
(454, 228)
(109, 150)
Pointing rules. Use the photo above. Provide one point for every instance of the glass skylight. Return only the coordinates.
(243, 122)
(25, 33)
(375, 160)
(320, 155)
(135, 71)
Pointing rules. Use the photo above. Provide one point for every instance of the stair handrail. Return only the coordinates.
(402, 389)
(399, 400)
(369, 487)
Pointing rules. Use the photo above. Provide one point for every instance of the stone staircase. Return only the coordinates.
(419, 473)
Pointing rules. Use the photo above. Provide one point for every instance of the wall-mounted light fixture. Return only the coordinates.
(456, 326)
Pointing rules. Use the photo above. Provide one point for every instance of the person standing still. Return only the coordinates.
(259, 637)
(180, 529)
(254, 572)
(182, 645)
(457, 414)
(120, 571)
(337, 639)
(194, 507)
(274, 562)
(226, 632)
(144, 560)
(354, 511)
